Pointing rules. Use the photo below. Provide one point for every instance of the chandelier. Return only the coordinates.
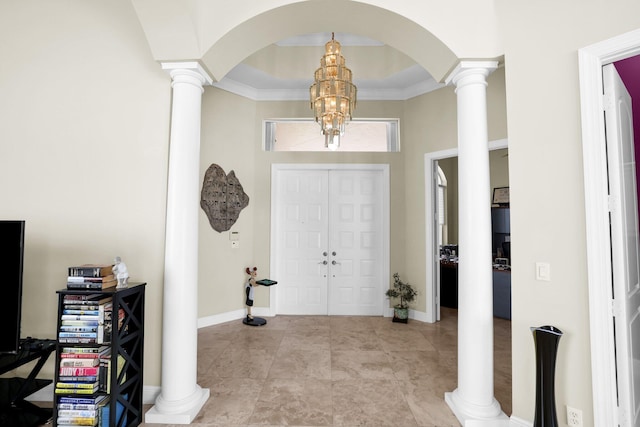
(332, 95)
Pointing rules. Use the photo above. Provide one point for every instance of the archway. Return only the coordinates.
(229, 47)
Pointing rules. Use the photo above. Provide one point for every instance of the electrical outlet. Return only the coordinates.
(574, 417)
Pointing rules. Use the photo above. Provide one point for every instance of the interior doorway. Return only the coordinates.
(330, 238)
(604, 354)
(433, 294)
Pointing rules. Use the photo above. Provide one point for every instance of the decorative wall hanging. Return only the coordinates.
(222, 198)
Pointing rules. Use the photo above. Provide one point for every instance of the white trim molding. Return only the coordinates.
(591, 60)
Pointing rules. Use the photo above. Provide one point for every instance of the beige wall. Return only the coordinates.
(545, 154)
(83, 151)
(232, 138)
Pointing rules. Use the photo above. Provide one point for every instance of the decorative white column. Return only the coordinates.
(473, 401)
(181, 398)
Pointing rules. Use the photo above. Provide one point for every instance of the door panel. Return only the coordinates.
(303, 238)
(624, 236)
(355, 237)
(338, 213)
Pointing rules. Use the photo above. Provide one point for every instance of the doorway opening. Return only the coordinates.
(604, 356)
(433, 295)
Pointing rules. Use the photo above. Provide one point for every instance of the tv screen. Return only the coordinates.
(11, 258)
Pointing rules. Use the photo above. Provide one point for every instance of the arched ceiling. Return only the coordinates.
(269, 49)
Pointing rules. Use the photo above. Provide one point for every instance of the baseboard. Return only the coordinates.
(150, 393)
(519, 422)
(230, 316)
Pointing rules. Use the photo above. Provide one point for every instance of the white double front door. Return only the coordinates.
(330, 239)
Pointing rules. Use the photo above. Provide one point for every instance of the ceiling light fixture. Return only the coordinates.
(332, 95)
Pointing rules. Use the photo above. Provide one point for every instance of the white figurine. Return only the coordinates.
(120, 271)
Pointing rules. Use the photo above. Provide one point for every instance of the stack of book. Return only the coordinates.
(82, 370)
(81, 411)
(91, 276)
(86, 319)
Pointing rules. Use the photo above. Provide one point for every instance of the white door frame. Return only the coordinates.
(599, 269)
(430, 210)
(384, 168)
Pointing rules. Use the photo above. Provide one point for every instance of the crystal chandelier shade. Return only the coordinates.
(332, 95)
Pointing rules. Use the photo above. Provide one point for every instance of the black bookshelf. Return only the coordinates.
(125, 405)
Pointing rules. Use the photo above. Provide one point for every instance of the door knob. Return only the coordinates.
(334, 262)
(333, 253)
(324, 253)
(323, 262)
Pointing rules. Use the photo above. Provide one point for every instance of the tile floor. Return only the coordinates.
(336, 371)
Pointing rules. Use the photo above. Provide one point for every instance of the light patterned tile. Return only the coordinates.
(243, 363)
(301, 364)
(287, 402)
(301, 371)
(349, 364)
(231, 401)
(370, 403)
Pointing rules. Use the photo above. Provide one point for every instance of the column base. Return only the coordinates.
(181, 412)
(471, 415)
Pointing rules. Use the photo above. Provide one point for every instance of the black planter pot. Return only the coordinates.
(546, 341)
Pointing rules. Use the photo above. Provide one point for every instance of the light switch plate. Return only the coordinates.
(543, 271)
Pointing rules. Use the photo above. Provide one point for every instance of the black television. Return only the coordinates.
(12, 259)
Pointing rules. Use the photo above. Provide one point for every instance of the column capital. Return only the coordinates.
(187, 70)
(477, 70)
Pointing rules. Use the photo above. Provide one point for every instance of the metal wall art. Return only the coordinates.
(222, 198)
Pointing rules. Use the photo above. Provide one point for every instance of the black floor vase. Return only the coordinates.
(546, 341)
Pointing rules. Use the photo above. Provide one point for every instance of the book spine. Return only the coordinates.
(71, 299)
(79, 379)
(78, 312)
(77, 421)
(84, 285)
(82, 413)
(64, 371)
(91, 386)
(91, 279)
(79, 362)
(76, 407)
(71, 328)
(82, 350)
(77, 335)
(81, 317)
(90, 356)
(98, 271)
(74, 390)
(80, 323)
(81, 400)
(81, 307)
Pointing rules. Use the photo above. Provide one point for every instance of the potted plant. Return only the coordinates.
(407, 295)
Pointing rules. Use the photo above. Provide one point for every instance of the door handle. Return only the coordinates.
(334, 262)
(323, 262)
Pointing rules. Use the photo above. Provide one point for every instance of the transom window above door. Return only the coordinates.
(367, 135)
